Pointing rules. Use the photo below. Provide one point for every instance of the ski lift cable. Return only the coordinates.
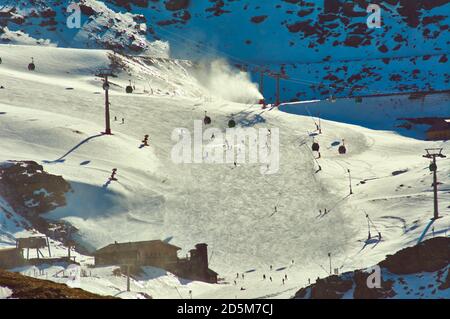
(208, 47)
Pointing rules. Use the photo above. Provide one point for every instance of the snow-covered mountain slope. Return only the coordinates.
(323, 47)
(230, 208)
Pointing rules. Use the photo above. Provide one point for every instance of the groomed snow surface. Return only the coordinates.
(54, 116)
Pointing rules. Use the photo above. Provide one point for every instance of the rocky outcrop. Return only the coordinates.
(29, 190)
(431, 256)
(428, 256)
(175, 5)
(23, 287)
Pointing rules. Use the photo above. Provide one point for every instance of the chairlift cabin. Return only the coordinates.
(231, 123)
(342, 149)
(31, 66)
(207, 119)
(129, 88)
(315, 146)
(433, 167)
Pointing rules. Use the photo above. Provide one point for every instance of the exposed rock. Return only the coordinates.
(258, 19)
(428, 256)
(29, 190)
(31, 288)
(432, 255)
(175, 5)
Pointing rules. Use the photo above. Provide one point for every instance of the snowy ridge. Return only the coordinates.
(324, 47)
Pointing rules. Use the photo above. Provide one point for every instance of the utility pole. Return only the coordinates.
(432, 153)
(350, 181)
(128, 277)
(104, 74)
(329, 257)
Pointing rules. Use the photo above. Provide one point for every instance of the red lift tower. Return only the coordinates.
(277, 76)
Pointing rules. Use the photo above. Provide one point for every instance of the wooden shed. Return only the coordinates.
(11, 257)
(144, 253)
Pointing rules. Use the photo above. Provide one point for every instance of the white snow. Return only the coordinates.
(5, 292)
(232, 210)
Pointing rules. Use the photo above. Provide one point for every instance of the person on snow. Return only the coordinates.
(270, 279)
(264, 277)
(242, 276)
(145, 140)
(113, 175)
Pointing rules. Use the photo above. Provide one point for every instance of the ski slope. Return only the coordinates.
(55, 115)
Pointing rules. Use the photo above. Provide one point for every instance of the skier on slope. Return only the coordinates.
(113, 175)
(145, 140)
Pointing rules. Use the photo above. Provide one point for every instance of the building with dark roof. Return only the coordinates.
(157, 253)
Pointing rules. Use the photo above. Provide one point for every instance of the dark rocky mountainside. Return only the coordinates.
(24, 287)
(421, 271)
(29, 189)
(324, 47)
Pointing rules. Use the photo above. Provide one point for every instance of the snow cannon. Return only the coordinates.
(207, 119)
(129, 88)
(342, 149)
(31, 66)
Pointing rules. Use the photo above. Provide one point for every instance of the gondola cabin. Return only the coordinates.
(31, 66)
(206, 119)
(315, 147)
(129, 88)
